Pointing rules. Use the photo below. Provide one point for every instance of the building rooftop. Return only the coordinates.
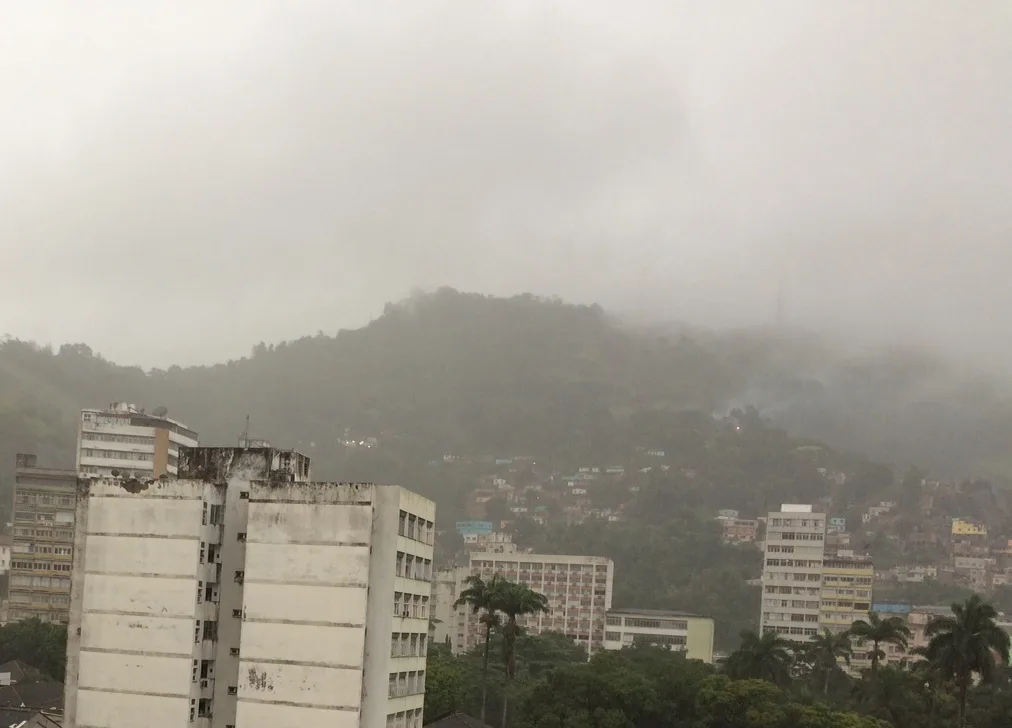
(28, 718)
(654, 612)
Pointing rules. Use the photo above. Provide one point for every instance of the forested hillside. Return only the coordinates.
(465, 373)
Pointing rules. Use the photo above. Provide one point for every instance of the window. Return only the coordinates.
(210, 630)
(196, 632)
(232, 690)
(217, 516)
(241, 536)
(659, 639)
(234, 651)
(614, 621)
(240, 577)
(243, 495)
(613, 636)
(237, 613)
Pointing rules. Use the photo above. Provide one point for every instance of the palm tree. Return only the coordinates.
(762, 658)
(967, 643)
(483, 597)
(891, 630)
(826, 650)
(516, 600)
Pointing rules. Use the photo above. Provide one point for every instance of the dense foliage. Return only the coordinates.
(40, 644)
(766, 683)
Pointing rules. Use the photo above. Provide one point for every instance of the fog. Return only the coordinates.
(181, 180)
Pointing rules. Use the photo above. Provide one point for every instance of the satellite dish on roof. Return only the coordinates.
(160, 411)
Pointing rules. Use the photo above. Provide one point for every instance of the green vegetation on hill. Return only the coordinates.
(472, 374)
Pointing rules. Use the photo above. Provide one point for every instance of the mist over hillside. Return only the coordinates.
(467, 373)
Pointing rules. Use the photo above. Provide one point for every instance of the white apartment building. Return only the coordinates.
(241, 594)
(126, 439)
(578, 589)
(792, 572)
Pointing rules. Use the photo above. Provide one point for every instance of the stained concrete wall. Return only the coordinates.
(304, 604)
(133, 604)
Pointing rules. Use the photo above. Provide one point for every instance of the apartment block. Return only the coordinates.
(676, 631)
(846, 597)
(242, 594)
(125, 440)
(578, 589)
(792, 572)
(41, 559)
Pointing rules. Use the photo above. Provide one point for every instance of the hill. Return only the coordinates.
(466, 373)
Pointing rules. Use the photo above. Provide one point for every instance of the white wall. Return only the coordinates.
(134, 601)
(304, 605)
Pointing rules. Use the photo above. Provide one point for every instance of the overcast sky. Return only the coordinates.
(183, 179)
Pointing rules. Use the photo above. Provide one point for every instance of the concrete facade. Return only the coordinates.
(792, 572)
(578, 588)
(242, 594)
(131, 442)
(43, 542)
(445, 591)
(676, 631)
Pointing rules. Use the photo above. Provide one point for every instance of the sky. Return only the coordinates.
(181, 180)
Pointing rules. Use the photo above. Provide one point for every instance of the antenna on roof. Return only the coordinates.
(244, 437)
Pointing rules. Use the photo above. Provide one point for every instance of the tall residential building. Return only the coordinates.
(846, 597)
(792, 572)
(241, 594)
(134, 443)
(676, 631)
(578, 589)
(43, 542)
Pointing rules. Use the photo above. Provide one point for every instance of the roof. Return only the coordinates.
(23, 718)
(46, 695)
(455, 720)
(654, 613)
(21, 670)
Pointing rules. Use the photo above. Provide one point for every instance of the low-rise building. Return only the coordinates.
(738, 530)
(676, 631)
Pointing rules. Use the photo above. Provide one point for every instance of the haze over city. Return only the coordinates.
(277, 168)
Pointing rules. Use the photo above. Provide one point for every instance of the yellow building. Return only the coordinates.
(846, 597)
(676, 631)
(961, 527)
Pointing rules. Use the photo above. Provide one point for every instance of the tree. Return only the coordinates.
(42, 645)
(448, 683)
(967, 643)
(891, 630)
(761, 658)
(826, 650)
(483, 597)
(515, 600)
